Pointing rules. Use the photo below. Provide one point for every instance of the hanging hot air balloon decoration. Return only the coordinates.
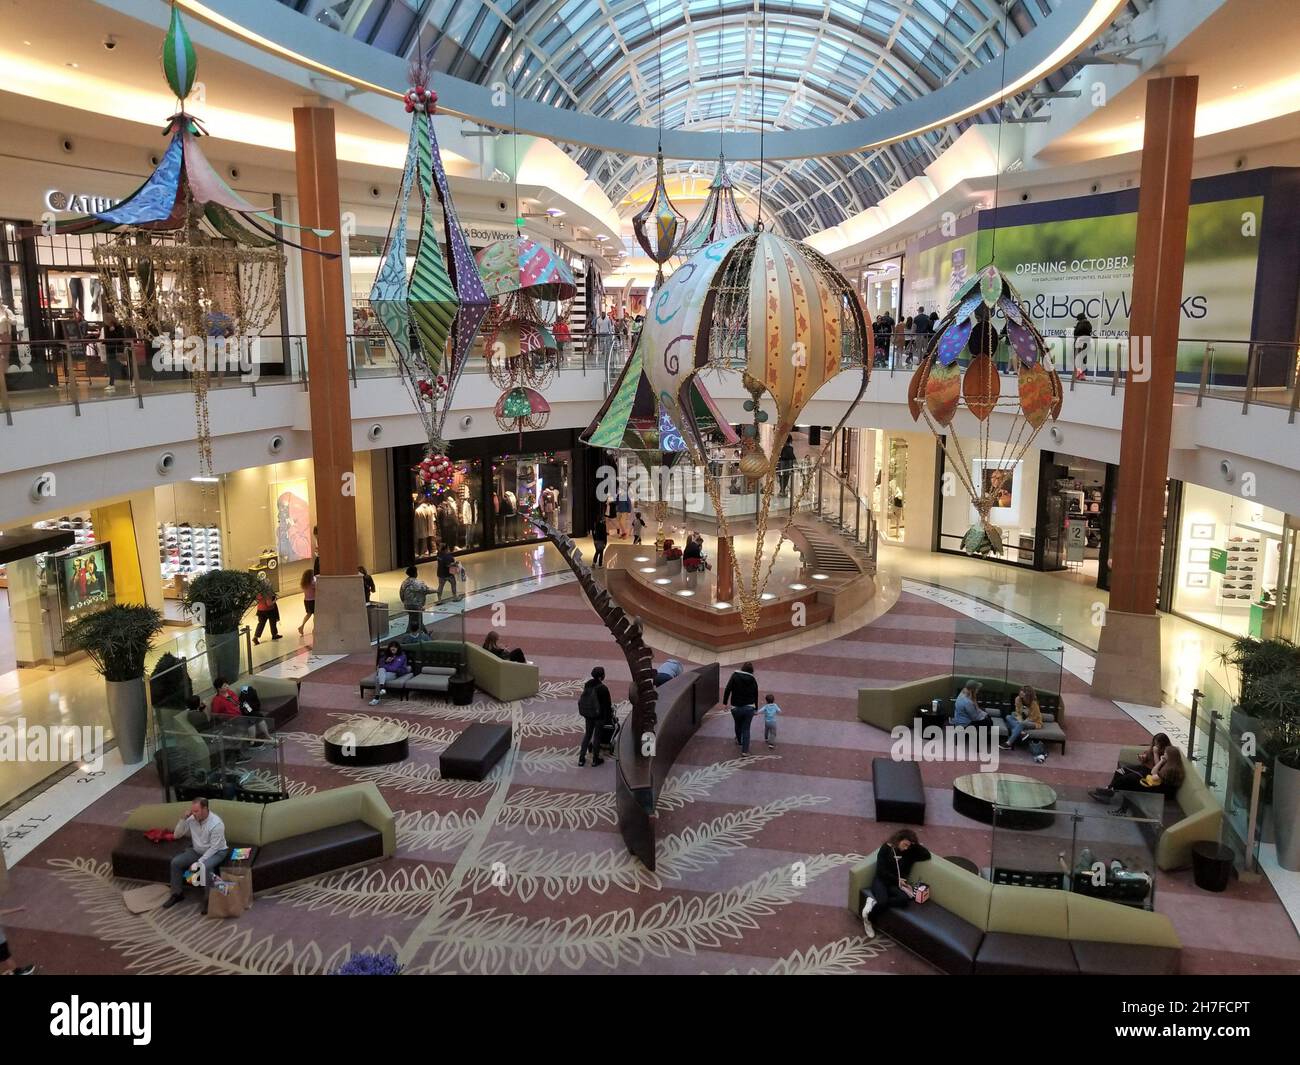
(719, 217)
(939, 390)
(780, 314)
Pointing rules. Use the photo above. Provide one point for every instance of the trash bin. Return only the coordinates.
(1211, 866)
(377, 613)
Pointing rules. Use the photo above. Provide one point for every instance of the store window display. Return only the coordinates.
(189, 534)
(449, 514)
(1229, 561)
(891, 486)
(1014, 484)
(526, 484)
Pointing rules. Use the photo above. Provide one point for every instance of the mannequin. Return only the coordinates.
(426, 532)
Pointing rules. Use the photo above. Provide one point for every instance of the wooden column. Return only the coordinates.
(340, 624)
(327, 355)
(726, 582)
(1128, 660)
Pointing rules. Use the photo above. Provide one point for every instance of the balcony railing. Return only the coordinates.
(51, 373)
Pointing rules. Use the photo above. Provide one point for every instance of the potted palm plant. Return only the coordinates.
(117, 639)
(218, 600)
(1278, 696)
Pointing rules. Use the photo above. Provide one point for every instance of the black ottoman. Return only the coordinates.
(475, 752)
(899, 793)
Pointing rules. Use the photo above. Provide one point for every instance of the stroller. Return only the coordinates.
(607, 737)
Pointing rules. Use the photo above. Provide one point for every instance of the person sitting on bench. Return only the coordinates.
(207, 833)
(392, 664)
(492, 643)
(1026, 716)
(1165, 777)
(890, 886)
(967, 710)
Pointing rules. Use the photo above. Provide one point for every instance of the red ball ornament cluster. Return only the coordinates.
(436, 472)
(432, 390)
(421, 99)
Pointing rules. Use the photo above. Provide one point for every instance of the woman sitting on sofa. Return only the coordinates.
(890, 886)
(392, 664)
(492, 643)
(1026, 716)
(1160, 770)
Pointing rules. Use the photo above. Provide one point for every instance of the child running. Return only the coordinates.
(770, 710)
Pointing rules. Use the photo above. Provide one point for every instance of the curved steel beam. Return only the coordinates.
(1060, 37)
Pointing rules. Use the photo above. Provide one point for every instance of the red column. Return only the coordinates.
(1128, 661)
(726, 583)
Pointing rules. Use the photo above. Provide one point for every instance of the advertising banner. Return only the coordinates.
(1084, 265)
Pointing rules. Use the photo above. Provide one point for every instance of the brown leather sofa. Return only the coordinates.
(296, 839)
(972, 926)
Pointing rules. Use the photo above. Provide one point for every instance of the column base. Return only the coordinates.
(1128, 659)
(341, 626)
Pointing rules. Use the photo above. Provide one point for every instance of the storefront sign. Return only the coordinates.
(1218, 560)
(78, 202)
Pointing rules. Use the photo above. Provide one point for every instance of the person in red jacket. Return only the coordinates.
(225, 703)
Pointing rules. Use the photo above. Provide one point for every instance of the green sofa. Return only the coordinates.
(1202, 818)
(972, 926)
(889, 707)
(504, 680)
(297, 839)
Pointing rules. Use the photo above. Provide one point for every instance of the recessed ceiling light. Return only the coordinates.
(75, 66)
(663, 580)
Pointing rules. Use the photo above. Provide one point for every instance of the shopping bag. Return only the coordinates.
(224, 898)
(242, 877)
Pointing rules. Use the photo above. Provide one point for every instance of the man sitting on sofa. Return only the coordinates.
(208, 834)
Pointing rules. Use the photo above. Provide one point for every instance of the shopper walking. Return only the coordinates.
(741, 694)
(446, 571)
(413, 593)
(599, 540)
(597, 710)
(308, 599)
(367, 582)
(268, 612)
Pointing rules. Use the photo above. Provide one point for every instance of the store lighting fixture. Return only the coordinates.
(642, 558)
(721, 606)
(767, 595)
(646, 569)
(799, 587)
(206, 480)
(555, 212)
(686, 592)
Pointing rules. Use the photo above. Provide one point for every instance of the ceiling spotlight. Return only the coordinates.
(555, 212)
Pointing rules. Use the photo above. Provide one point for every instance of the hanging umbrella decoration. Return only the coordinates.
(939, 389)
(521, 352)
(659, 225)
(778, 313)
(433, 315)
(193, 258)
(719, 218)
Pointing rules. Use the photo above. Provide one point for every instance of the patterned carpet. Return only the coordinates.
(525, 872)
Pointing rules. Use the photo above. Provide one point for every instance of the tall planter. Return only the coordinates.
(224, 657)
(1286, 814)
(128, 710)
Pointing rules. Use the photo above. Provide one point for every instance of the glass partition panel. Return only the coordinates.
(1011, 664)
(202, 756)
(1106, 851)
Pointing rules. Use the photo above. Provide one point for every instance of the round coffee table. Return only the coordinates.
(962, 862)
(365, 741)
(1024, 799)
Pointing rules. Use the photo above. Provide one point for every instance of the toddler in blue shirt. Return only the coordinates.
(770, 710)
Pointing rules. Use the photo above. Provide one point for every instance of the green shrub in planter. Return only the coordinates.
(220, 598)
(117, 639)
